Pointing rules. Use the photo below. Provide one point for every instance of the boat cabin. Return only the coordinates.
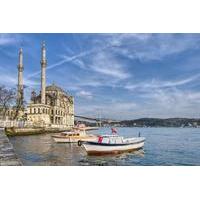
(110, 139)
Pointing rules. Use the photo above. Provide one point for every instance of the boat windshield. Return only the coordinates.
(109, 136)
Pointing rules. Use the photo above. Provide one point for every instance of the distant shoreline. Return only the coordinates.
(148, 122)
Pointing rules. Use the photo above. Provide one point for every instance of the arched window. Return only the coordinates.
(35, 110)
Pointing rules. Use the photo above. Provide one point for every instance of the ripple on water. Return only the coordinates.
(163, 146)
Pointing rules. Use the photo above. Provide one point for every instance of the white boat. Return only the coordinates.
(112, 144)
(78, 133)
(72, 137)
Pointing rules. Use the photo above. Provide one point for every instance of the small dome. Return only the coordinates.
(54, 87)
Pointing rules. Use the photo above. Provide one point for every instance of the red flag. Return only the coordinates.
(114, 131)
(100, 139)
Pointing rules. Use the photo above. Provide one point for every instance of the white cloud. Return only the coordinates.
(74, 58)
(152, 46)
(153, 84)
(11, 80)
(64, 60)
(113, 110)
(158, 103)
(7, 39)
(84, 94)
(106, 64)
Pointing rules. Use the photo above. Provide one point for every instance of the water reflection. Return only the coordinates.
(116, 160)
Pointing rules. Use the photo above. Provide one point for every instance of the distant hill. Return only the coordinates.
(151, 122)
(157, 122)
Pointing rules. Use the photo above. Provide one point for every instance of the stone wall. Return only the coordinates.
(8, 156)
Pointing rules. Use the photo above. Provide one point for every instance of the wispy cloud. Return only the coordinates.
(10, 39)
(153, 46)
(84, 94)
(153, 84)
(10, 79)
(6, 39)
(67, 59)
(107, 110)
(158, 103)
(106, 64)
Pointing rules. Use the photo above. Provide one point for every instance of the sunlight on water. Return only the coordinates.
(164, 146)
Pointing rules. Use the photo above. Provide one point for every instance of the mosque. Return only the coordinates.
(51, 107)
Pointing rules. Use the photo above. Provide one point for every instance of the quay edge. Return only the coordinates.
(8, 157)
(15, 131)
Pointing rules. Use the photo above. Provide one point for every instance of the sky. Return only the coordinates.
(117, 76)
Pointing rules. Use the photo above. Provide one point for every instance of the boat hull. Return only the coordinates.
(101, 149)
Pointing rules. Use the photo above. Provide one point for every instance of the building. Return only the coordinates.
(51, 107)
(58, 109)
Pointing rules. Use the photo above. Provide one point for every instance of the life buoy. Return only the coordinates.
(79, 143)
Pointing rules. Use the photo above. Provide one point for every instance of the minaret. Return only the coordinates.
(43, 73)
(20, 92)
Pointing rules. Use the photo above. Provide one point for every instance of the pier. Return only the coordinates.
(8, 157)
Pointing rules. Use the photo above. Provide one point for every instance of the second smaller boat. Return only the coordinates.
(78, 133)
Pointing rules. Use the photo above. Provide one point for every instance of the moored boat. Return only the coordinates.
(78, 133)
(72, 137)
(112, 144)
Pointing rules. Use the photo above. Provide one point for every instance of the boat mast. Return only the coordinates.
(99, 117)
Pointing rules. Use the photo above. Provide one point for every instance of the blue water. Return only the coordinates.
(163, 146)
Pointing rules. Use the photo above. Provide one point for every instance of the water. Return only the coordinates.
(164, 146)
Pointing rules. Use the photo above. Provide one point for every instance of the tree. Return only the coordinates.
(7, 98)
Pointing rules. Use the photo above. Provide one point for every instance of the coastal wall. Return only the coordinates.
(8, 157)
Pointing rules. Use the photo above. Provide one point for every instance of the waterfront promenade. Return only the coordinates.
(8, 156)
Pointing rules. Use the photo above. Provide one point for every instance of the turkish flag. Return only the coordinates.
(114, 131)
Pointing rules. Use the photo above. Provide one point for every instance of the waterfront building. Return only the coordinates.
(51, 107)
(56, 110)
